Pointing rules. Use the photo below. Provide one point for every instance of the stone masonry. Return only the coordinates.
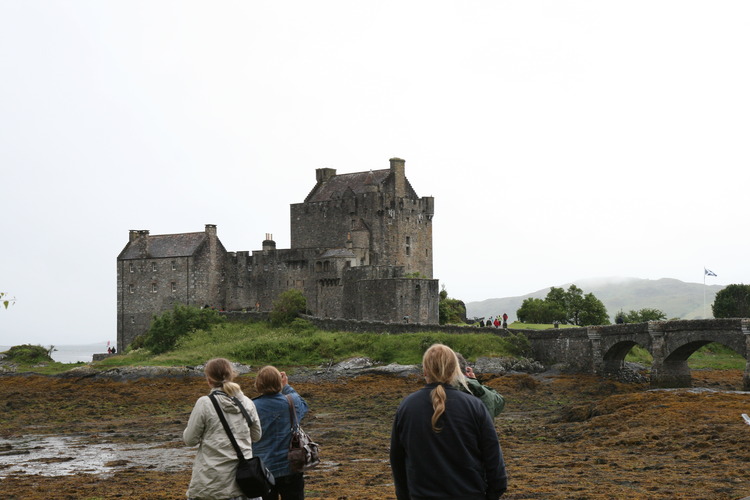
(361, 248)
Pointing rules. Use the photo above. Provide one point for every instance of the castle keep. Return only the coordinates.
(361, 248)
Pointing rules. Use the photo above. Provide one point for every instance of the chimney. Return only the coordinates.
(268, 243)
(398, 171)
(139, 237)
(323, 174)
(134, 234)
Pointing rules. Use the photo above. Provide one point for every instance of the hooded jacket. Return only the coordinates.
(216, 461)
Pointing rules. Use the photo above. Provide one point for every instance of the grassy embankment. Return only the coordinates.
(300, 344)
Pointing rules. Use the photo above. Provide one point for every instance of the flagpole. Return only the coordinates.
(704, 292)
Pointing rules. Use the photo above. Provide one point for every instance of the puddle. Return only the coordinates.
(66, 455)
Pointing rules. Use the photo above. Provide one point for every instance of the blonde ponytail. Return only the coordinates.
(438, 405)
(440, 366)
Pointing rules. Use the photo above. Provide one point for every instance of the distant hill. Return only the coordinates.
(676, 298)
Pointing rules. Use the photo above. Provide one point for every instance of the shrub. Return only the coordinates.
(286, 308)
(518, 344)
(172, 325)
(28, 353)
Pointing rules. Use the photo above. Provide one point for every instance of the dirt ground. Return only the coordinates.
(563, 436)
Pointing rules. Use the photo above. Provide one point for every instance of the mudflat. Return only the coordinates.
(563, 436)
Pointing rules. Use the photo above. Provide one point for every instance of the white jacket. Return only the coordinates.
(216, 461)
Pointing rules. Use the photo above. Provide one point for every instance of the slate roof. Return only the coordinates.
(165, 245)
(337, 185)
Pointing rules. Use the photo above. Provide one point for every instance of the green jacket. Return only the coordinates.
(492, 399)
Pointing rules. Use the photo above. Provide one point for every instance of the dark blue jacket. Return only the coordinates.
(462, 462)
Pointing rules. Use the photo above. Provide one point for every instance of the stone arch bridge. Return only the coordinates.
(602, 349)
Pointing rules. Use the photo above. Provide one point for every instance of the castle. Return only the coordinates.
(361, 248)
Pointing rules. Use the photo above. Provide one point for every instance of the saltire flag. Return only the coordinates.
(709, 272)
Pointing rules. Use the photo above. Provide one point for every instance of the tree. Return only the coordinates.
(450, 311)
(170, 326)
(540, 311)
(642, 315)
(593, 311)
(287, 306)
(732, 302)
(570, 307)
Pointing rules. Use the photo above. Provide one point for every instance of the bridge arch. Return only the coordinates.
(675, 341)
(613, 360)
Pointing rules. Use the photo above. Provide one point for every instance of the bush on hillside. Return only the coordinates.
(286, 308)
(170, 326)
(28, 353)
(518, 344)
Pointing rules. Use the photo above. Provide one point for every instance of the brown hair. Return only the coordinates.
(220, 373)
(440, 366)
(268, 380)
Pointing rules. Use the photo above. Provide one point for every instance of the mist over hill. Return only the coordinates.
(676, 298)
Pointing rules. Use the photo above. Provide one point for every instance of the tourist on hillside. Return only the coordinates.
(505, 320)
(273, 409)
(216, 461)
(443, 443)
(493, 400)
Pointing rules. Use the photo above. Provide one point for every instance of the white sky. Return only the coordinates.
(561, 140)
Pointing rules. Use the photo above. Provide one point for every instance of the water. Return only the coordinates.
(65, 455)
(73, 353)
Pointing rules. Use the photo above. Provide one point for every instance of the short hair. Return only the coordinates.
(268, 380)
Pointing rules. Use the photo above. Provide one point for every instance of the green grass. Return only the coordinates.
(302, 345)
(712, 356)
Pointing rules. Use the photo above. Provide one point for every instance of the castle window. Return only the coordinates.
(174, 266)
(249, 269)
(153, 287)
(131, 288)
(318, 267)
(265, 267)
(153, 266)
(174, 287)
(132, 320)
(132, 268)
(326, 266)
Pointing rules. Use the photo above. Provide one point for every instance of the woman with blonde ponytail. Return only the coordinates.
(443, 442)
(216, 461)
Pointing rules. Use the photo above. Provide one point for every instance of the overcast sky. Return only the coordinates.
(562, 140)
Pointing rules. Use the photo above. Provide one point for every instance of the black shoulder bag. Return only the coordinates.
(303, 453)
(253, 478)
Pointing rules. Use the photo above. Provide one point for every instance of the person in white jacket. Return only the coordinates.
(216, 461)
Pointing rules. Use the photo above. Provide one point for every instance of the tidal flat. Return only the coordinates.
(563, 436)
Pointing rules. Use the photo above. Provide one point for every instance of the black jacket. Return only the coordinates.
(462, 462)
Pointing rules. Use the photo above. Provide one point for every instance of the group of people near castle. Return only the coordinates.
(443, 442)
(497, 322)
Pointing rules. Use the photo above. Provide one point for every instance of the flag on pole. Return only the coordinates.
(709, 272)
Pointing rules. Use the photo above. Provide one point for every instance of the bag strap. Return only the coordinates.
(238, 404)
(212, 396)
(292, 413)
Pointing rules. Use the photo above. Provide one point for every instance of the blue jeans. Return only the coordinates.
(291, 487)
